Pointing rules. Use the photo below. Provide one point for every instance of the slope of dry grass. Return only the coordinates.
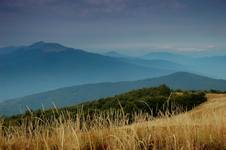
(202, 128)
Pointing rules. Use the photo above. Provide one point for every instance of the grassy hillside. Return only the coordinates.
(151, 101)
(203, 128)
(78, 94)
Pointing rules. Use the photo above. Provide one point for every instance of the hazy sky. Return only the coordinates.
(130, 25)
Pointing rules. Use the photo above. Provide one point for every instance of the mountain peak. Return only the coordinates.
(48, 47)
(37, 44)
(113, 54)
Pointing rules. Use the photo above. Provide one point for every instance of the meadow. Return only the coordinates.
(203, 127)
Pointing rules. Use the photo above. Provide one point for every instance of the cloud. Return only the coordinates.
(90, 7)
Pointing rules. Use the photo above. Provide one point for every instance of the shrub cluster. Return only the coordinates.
(147, 100)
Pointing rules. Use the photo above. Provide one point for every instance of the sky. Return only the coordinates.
(124, 25)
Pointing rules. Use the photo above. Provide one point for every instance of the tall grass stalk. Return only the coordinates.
(202, 128)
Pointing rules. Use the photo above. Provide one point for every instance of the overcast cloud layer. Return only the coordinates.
(98, 25)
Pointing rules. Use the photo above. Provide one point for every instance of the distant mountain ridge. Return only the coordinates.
(114, 54)
(48, 47)
(163, 55)
(213, 66)
(44, 66)
(77, 94)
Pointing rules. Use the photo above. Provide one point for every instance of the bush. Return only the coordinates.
(147, 100)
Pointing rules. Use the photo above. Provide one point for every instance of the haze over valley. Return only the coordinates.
(50, 66)
(43, 74)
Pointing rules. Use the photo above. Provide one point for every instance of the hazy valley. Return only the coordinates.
(52, 74)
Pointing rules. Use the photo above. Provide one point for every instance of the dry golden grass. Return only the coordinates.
(202, 128)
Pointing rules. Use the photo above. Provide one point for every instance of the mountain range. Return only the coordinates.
(212, 66)
(45, 66)
(76, 94)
